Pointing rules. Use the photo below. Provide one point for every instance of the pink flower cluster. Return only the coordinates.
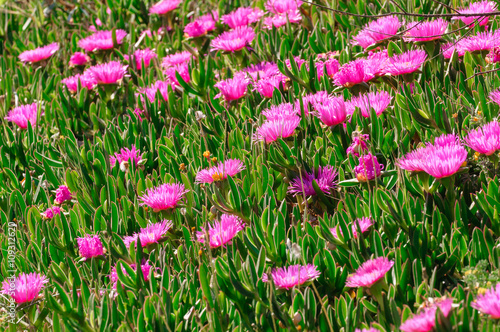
(242, 16)
(84, 80)
(489, 302)
(149, 235)
(150, 92)
(145, 269)
(25, 287)
(378, 101)
(484, 6)
(107, 73)
(325, 179)
(233, 88)
(78, 59)
(221, 171)
(234, 40)
(164, 7)
(62, 195)
(282, 11)
(486, 139)
(102, 40)
(39, 54)
(426, 320)
(23, 114)
(90, 246)
(177, 63)
(126, 155)
(425, 31)
(164, 197)
(377, 31)
(222, 232)
(370, 272)
(291, 276)
(201, 25)
(368, 169)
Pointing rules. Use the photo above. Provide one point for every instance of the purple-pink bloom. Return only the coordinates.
(262, 70)
(145, 55)
(150, 92)
(370, 272)
(25, 287)
(39, 54)
(332, 67)
(489, 302)
(494, 55)
(234, 40)
(293, 275)
(222, 232)
(270, 131)
(414, 160)
(483, 41)
(176, 59)
(313, 100)
(181, 69)
(242, 17)
(107, 73)
(495, 96)
(281, 111)
(352, 73)
(377, 31)
(364, 224)
(164, 197)
(51, 212)
(153, 233)
(426, 320)
(425, 31)
(102, 40)
(126, 155)
(63, 194)
(332, 112)
(145, 268)
(23, 114)
(325, 178)
(90, 246)
(282, 6)
(476, 7)
(164, 7)
(85, 80)
(358, 145)
(221, 171)
(486, 139)
(279, 20)
(448, 49)
(405, 63)
(265, 86)
(368, 169)
(78, 59)
(379, 101)
(201, 25)
(375, 63)
(233, 88)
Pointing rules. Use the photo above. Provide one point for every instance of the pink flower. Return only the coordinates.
(102, 40)
(138, 112)
(476, 7)
(145, 268)
(164, 197)
(379, 101)
(270, 131)
(144, 55)
(90, 246)
(489, 302)
(262, 70)
(414, 161)
(358, 145)
(332, 112)
(368, 169)
(280, 20)
(23, 114)
(375, 63)
(483, 41)
(242, 17)
(377, 31)
(222, 232)
(266, 85)
(126, 155)
(426, 320)
(182, 69)
(234, 40)
(51, 212)
(448, 49)
(495, 96)
(364, 225)
(153, 233)
(201, 26)
(86, 81)
(294, 275)
(281, 111)
(230, 167)
(425, 31)
(313, 100)
(163, 7)
(325, 178)
(62, 195)
(370, 272)
(233, 88)
(494, 55)
(25, 288)
(39, 54)
(405, 63)
(486, 139)
(332, 67)
(282, 6)
(150, 92)
(78, 59)
(176, 59)
(107, 73)
(352, 73)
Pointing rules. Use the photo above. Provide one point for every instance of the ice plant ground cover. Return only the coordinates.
(272, 165)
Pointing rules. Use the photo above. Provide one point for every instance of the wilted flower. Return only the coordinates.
(476, 7)
(370, 272)
(234, 40)
(368, 169)
(332, 112)
(294, 275)
(222, 232)
(281, 111)
(126, 155)
(102, 40)
(107, 73)
(242, 17)
(51, 212)
(39, 54)
(425, 31)
(426, 320)
(86, 81)
(405, 63)
(164, 197)
(230, 167)
(90, 246)
(489, 302)
(145, 55)
(25, 288)
(153, 233)
(358, 145)
(23, 114)
(233, 88)
(325, 178)
(486, 139)
(379, 101)
(63, 194)
(270, 131)
(78, 59)
(163, 7)
(376, 31)
(364, 225)
(176, 59)
(150, 92)
(483, 41)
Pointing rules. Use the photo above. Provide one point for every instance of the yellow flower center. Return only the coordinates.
(217, 176)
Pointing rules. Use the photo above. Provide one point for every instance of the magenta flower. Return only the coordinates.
(476, 7)
(145, 55)
(262, 70)
(153, 233)
(425, 31)
(102, 40)
(182, 69)
(279, 20)
(90, 246)
(51, 212)
(242, 17)
(414, 161)
(270, 131)
(233, 88)
(494, 55)
(164, 197)
(486, 139)
(126, 155)
(282, 6)
(377, 31)
(364, 225)
(495, 96)
(201, 25)
(86, 81)
(358, 145)
(222, 232)
(313, 100)
(150, 92)
(489, 302)
(448, 49)
(78, 59)
(294, 275)
(332, 112)
(379, 101)
(139, 113)
(483, 41)
(25, 288)
(23, 114)
(62, 195)
(234, 40)
(426, 320)
(370, 272)
(368, 169)
(266, 85)
(325, 178)
(352, 73)
(176, 59)
(332, 67)
(145, 268)
(405, 63)
(107, 73)
(230, 167)
(39, 54)
(164, 7)
(281, 111)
